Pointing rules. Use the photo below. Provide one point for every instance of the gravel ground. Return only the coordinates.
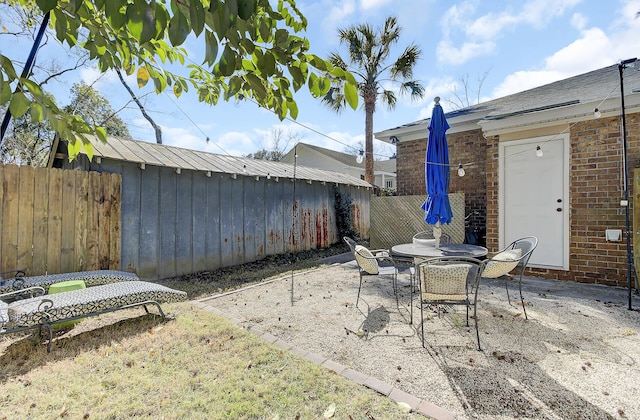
(575, 358)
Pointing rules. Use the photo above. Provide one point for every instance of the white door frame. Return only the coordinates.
(535, 141)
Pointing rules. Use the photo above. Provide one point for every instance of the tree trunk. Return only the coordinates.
(369, 109)
(156, 127)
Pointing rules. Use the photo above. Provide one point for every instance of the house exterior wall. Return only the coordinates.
(465, 147)
(595, 188)
(595, 185)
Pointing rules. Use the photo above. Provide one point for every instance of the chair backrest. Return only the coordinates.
(366, 260)
(526, 245)
(352, 244)
(448, 278)
(516, 254)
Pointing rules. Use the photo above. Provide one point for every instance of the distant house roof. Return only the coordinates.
(565, 99)
(347, 159)
(145, 153)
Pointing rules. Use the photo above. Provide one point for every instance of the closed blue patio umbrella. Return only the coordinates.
(437, 208)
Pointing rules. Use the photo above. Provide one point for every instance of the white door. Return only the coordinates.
(534, 197)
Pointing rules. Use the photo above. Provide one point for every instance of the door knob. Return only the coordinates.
(559, 209)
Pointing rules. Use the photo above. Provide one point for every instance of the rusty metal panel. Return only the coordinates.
(274, 217)
(248, 237)
(212, 224)
(394, 220)
(167, 226)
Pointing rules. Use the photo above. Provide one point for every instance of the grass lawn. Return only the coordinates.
(125, 364)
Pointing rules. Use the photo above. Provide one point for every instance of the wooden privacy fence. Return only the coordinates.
(394, 220)
(57, 221)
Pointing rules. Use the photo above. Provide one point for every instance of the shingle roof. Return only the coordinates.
(585, 88)
(348, 159)
(175, 157)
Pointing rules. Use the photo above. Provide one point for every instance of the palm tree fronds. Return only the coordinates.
(389, 98)
(414, 88)
(404, 65)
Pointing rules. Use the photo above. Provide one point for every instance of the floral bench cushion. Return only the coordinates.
(90, 278)
(4, 314)
(81, 302)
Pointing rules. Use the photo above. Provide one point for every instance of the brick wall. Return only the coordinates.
(595, 192)
(466, 148)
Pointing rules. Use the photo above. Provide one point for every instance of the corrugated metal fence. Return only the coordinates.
(54, 221)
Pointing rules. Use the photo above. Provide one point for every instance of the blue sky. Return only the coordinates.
(517, 44)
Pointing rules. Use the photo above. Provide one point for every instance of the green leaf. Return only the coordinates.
(19, 104)
(5, 92)
(196, 16)
(351, 95)
(267, 64)
(282, 38)
(178, 29)
(114, 11)
(141, 21)
(36, 112)
(7, 66)
(298, 77)
(211, 48)
(227, 63)
(246, 8)
(102, 134)
(256, 87)
(293, 109)
(32, 87)
(46, 5)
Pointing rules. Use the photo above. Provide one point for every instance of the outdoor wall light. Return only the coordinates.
(461, 171)
(539, 152)
(393, 139)
(360, 156)
(268, 175)
(597, 113)
(244, 169)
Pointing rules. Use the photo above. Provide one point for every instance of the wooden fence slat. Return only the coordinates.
(68, 224)
(115, 192)
(55, 222)
(93, 217)
(104, 223)
(25, 216)
(82, 207)
(10, 219)
(40, 220)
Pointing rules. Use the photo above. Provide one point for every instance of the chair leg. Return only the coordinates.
(422, 320)
(475, 317)
(359, 287)
(522, 298)
(506, 285)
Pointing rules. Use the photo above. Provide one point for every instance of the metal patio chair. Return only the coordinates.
(450, 281)
(514, 256)
(374, 262)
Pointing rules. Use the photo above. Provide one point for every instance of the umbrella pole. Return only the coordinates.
(437, 232)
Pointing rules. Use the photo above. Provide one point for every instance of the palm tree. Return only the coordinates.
(368, 52)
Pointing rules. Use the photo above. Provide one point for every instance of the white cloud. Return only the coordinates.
(338, 13)
(579, 21)
(448, 53)
(477, 35)
(594, 49)
(373, 4)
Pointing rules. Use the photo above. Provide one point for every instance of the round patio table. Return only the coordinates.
(418, 250)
